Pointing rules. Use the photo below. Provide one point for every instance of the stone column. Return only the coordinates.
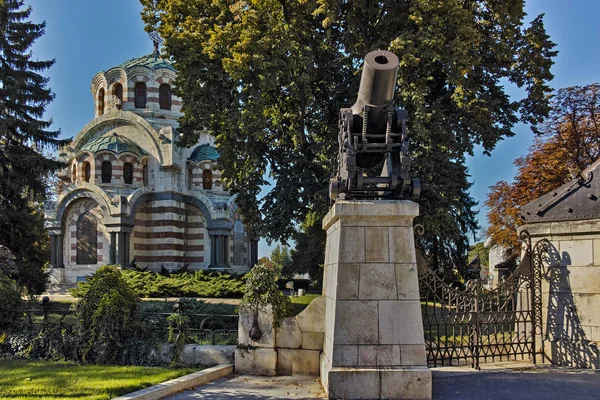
(213, 249)
(59, 252)
(53, 254)
(113, 248)
(374, 345)
(120, 248)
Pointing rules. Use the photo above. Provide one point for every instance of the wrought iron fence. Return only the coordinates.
(200, 328)
(473, 325)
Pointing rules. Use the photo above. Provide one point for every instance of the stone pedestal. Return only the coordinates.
(374, 345)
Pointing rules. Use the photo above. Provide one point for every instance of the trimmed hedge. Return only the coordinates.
(183, 284)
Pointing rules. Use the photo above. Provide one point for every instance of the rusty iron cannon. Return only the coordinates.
(373, 160)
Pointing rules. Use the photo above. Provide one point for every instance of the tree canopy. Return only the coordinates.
(268, 78)
(570, 142)
(24, 134)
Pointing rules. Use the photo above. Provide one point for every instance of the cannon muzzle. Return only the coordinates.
(378, 81)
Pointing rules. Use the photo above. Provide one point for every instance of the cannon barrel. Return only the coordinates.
(378, 81)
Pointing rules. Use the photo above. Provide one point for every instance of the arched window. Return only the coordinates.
(74, 174)
(164, 96)
(87, 171)
(118, 93)
(128, 173)
(87, 239)
(106, 172)
(207, 179)
(238, 243)
(101, 101)
(145, 175)
(140, 95)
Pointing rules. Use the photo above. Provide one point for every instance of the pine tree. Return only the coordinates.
(24, 134)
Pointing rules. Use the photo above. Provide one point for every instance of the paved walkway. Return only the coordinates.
(244, 387)
(544, 383)
(453, 383)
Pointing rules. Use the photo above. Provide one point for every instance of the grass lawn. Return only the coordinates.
(304, 300)
(20, 380)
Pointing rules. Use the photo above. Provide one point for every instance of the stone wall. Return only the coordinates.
(570, 291)
(292, 348)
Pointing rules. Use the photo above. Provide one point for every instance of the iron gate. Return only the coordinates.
(475, 325)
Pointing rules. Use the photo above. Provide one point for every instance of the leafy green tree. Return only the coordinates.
(268, 78)
(23, 135)
(479, 250)
(280, 256)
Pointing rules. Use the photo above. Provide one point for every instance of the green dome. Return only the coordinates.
(115, 143)
(204, 152)
(152, 61)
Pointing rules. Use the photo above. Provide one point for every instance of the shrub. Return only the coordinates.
(106, 317)
(182, 284)
(10, 299)
(261, 291)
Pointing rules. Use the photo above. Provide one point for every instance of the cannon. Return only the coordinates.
(373, 160)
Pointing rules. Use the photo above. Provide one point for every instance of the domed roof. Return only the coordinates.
(115, 143)
(204, 152)
(152, 61)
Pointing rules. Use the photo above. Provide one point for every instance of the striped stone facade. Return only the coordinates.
(169, 232)
(150, 201)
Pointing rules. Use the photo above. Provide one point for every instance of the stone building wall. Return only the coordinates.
(170, 234)
(570, 291)
(75, 211)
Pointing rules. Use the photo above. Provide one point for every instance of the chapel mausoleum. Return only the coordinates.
(132, 194)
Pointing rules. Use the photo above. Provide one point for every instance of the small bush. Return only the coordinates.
(10, 299)
(106, 317)
(261, 291)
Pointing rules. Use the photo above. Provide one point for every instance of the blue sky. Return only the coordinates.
(89, 36)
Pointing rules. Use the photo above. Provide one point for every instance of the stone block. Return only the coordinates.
(288, 335)
(377, 248)
(312, 340)
(406, 383)
(407, 281)
(400, 322)
(265, 322)
(402, 245)
(256, 362)
(312, 318)
(597, 252)
(332, 246)
(356, 322)
(352, 244)
(207, 355)
(345, 356)
(377, 282)
(413, 354)
(347, 282)
(350, 384)
(297, 362)
(578, 253)
(379, 356)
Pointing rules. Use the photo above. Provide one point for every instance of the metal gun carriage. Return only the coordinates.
(373, 160)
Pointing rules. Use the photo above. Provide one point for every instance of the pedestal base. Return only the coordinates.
(379, 383)
(374, 345)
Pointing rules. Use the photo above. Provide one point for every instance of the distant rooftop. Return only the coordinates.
(204, 152)
(152, 61)
(115, 143)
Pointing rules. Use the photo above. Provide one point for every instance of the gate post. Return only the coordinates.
(374, 347)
